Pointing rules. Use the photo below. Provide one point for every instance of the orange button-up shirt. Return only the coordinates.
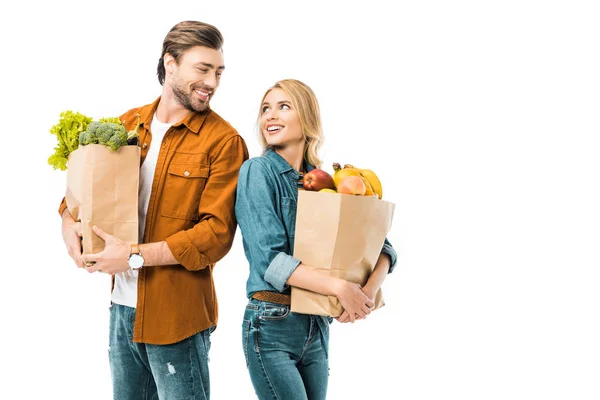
(192, 209)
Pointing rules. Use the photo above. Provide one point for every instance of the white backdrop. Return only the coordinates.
(481, 119)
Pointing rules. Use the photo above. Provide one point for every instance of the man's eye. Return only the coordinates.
(203, 70)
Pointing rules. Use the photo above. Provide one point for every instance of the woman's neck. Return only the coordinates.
(293, 156)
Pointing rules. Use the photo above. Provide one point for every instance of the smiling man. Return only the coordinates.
(164, 304)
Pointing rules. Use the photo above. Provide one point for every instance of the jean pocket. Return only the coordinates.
(206, 339)
(245, 337)
(274, 312)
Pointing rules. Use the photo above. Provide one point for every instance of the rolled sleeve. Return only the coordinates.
(280, 269)
(185, 252)
(389, 250)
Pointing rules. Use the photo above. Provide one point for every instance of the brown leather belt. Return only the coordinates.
(273, 297)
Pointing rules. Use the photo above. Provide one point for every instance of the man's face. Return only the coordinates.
(196, 78)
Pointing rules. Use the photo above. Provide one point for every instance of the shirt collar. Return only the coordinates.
(193, 121)
(281, 165)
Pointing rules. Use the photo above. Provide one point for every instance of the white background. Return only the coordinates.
(480, 117)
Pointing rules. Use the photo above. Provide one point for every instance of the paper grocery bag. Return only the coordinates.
(339, 235)
(102, 190)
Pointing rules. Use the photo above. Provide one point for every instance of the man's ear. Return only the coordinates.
(169, 62)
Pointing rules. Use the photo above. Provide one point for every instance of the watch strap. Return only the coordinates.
(135, 249)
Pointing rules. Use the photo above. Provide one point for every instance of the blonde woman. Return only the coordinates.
(286, 352)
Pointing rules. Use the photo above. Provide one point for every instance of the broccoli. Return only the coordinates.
(104, 133)
(118, 139)
(89, 136)
(107, 131)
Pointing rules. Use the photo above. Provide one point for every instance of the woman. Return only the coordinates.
(286, 352)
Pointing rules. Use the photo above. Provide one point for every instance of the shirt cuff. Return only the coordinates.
(61, 208)
(280, 269)
(389, 250)
(185, 252)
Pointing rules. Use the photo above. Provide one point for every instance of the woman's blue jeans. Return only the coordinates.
(286, 352)
(145, 371)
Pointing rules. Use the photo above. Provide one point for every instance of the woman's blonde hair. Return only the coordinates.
(305, 104)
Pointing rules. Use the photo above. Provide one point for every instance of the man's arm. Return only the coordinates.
(211, 238)
(71, 233)
(204, 244)
(113, 259)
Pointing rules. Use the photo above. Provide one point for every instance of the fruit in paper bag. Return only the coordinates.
(339, 173)
(369, 191)
(370, 176)
(317, 179)
(327, 190)
(352, 185)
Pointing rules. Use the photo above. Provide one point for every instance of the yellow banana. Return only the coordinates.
(339, 173)
(371, 177)
(369, 191)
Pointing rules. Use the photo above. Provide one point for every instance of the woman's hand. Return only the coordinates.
(369, 292)
(356, 304)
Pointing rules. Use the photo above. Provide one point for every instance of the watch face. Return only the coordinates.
(136, 261)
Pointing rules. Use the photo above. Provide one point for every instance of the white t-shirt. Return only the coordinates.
(125, 290)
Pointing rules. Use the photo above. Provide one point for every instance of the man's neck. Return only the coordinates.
(169, 111)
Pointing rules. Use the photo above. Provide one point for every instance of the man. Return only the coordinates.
(163, 299)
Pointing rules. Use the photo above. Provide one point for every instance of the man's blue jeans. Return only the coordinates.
(144, 371)
(286, 352)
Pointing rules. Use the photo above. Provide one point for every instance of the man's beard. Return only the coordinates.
(185, 99)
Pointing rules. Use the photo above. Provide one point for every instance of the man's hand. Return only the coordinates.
(113, 259)
(71, 233)
(355, 303)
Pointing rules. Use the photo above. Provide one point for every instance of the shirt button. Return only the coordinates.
(187, 173)
(144, 145)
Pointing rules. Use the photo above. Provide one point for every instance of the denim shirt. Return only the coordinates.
(267, 194)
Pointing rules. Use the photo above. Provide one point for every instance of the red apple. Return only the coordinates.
(317, 179)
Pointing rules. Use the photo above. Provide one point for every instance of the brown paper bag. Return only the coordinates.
(339, 235)
(102, 190)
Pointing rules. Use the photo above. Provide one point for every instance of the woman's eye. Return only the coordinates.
(285, 107)
(265, 109)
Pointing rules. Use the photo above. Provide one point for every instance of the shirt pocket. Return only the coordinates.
(288, 210)
(183, 189)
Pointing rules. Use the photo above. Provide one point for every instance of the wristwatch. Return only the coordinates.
(136, 260)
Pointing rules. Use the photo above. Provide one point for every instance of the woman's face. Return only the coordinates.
(279, 122)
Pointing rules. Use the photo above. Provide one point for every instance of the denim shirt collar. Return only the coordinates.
(283, 166)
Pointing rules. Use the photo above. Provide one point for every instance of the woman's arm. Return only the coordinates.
(354, 301)
(378, 275)
(381, 270)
